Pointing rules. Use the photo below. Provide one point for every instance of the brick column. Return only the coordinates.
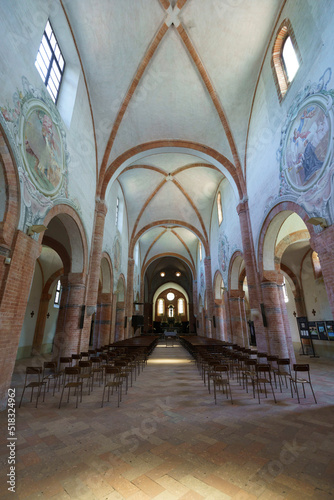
(68, 336)
(251, 272)
(218, 314)
(209, 295)
(120, 315)
(235, 301)
(94, 267)
(129, 298)
(113, 319)
(142, 297)
(40, 323)
(195, 307)
(322, 243)
(15, 291)
(105, 318)
(286, 323)
(276, 330)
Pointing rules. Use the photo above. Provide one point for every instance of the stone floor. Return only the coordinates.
(168, 440)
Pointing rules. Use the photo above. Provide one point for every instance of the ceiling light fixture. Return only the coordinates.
(178, 273)
(162, 274)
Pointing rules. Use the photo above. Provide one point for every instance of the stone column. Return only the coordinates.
(218, 314)
(40, 323)
(94, 267)
(209, 295)
(68, 336)
(129, 298)
(195, 308)
(14, 295)
(251, 273)
(275, 321)
(322, 243)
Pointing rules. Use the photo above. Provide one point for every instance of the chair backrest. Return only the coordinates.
(76, 356)
(263, 368)
(283, 361)
(301, 367)
(34, 370)
(85, 366)
(49, 367)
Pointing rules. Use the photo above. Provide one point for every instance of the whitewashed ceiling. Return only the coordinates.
(179, 70)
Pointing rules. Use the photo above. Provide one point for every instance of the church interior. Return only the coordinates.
(167, 227)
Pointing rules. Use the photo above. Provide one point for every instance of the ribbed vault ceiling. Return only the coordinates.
(166, 71)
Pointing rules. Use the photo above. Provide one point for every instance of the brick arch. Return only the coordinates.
(269, 231)
(60, 250)
(54, 277)
(76, 233)
(167, 221)
(234, 270)
(228, 168)
(167, 254)
(10, 221)
(301, 235)
(107, 273)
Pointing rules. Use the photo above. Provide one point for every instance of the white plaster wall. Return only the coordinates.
(29, 324)
(111, 231)
(230, 228)
(268, 115)
(51, 323)
(21, 28)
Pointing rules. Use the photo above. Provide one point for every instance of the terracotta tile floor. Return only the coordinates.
(168, 440)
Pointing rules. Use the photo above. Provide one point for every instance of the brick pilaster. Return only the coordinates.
(129, 298)
(119, 327)
(236, 311)
(94, 265)
(251, 272)
(209, 295)
(14, 299)
(322, 243)
(286, 323)
(68, 339)
(274, 315)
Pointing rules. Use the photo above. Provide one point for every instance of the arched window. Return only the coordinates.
(57, 295)
(161, 307)
(285, 58)
(180, 307)
(316, 265)
(200, 251)
(219, 208)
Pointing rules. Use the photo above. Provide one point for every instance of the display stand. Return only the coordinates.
(305, 336)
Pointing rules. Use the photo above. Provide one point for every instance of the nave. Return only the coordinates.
(168, 440)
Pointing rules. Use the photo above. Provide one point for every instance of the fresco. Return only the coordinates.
(43, 151)
(307, 145)
(306, 153)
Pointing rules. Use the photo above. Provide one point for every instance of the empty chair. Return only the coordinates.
(248, 372)
(97, 368)
(33, 380)
(112, 381)
(63, 362)
(221, 378)
(50, 372)
(85, 373)
(296, 379)
(263, 377)
(75, 359)
(283, 371)
(262, 357)
(72, 381)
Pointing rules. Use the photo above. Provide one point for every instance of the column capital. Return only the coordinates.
(101, 207)
(236, 294)
(243, 205)
(323, 242)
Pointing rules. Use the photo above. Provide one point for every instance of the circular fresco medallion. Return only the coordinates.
(43, 150)
(307, 146)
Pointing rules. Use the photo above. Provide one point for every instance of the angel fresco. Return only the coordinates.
(43, 150)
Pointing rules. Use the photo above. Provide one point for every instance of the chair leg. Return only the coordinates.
(313, 393)
(61, 397)
(22, 396)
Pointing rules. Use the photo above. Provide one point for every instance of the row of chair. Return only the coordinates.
(219, 364)
(111, 368)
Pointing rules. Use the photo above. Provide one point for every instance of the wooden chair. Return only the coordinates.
(263, 376)
(85, 373)
(33, 380)
(112, 381)
(295, 379)
(72, 381)
(221, 378)
(283, 371)
(50, 372)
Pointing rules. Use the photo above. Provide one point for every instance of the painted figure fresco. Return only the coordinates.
(43, 151)
(307, 145)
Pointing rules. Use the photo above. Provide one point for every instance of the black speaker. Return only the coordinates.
(214, 321)
(137, 321)
(125, 321)
(82, 317)
(263, 312)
